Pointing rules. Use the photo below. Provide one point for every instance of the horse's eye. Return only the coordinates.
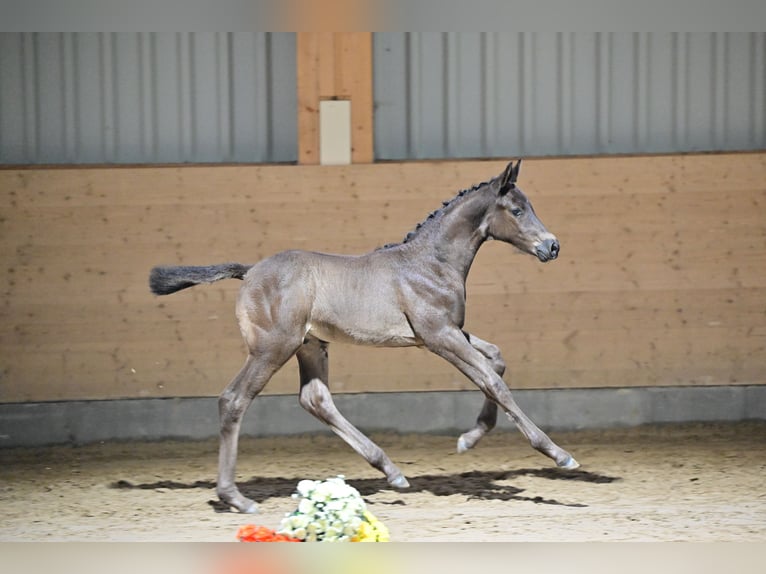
(516, 212)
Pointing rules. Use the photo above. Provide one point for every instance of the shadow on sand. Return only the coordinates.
(482, 485)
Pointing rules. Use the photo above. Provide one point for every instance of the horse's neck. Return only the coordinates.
(456, 238)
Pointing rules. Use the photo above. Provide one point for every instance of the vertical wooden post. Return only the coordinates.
(335, 65)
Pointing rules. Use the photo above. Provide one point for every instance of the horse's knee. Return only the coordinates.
(496, 389)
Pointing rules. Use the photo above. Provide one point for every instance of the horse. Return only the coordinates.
(411, 293)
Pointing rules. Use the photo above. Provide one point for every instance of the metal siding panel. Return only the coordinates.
(429, 94)
(545, 112)
(12, 101)
(108, 95)
(622, 92)
(659, 108)
(757, 118)
(69, 73)
(489, 98)
(565, 95)
(50, 97)
(507, 77)
(505, 94)
(584, 93)
(147, 97)
(738, 86)
(262, 133)
(390, 82)
(243, 95)
(167, 96)
(148, 101)
(127, 112)
(208, 91)
(527, 104)
(281, 93)
(88, 104)
(468, 115)
(700, 91)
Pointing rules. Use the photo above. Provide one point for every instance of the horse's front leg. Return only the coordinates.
(451, 343)
(487, 418)
(315, 397)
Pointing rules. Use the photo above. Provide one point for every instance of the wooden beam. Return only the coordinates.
(335, 65)
(359, 57)
(307, 68)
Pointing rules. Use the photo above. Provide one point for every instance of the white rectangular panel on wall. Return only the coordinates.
(334, 132)
(147, 97)
(487, 94)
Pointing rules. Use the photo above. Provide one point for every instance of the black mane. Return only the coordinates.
(437, 212)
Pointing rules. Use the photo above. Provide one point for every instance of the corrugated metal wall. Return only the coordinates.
(147, 97)
(510, 94)
(231, 97)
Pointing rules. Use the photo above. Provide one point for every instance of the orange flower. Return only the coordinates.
(253, 533)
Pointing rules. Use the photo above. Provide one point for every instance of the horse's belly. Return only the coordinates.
(391, 335)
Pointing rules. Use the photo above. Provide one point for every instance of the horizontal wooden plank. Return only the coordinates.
(661, 279)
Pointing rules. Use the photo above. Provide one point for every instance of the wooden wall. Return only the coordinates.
(661, 279)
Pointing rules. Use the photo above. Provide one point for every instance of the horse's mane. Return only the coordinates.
(437, 212)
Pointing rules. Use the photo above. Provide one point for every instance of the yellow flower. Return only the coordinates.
(371, 530)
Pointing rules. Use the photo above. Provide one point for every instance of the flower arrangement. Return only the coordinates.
(328, 511)
(253, 533)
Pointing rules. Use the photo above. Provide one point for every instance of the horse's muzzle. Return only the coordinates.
(548, 250)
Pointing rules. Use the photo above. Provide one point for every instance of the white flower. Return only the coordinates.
(329, 510)
(299, 533)
(337, 526)
(306, 506)
(306, 486)
(332, 533)
(345, 515)
(322, 493)
(299, 521)
(352, 526)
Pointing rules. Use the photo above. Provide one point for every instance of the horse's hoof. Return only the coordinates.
(569, 464)
(462, 446)
(252, 508)
(399, 482)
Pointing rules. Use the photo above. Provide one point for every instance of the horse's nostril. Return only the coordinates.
(555, 249)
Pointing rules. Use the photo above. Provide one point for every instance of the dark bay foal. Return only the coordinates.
(405, 294)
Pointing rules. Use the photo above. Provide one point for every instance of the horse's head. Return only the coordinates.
(513, 220)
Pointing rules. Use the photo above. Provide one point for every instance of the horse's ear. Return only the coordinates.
(506, 178)
(515, 171)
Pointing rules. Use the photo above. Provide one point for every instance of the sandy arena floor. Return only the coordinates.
(665, 483)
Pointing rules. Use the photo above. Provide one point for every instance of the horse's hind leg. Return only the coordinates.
(487, 418)
(315, 397)
(232, 404)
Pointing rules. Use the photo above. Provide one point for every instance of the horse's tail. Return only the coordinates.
(167, 280)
